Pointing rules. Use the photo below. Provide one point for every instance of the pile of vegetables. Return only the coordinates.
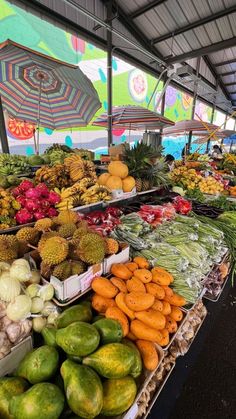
(143, 302)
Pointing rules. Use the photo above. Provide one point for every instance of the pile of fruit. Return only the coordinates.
(143, 302)
(96, 361)
(35, 202)
(117, 177)
(210, 186)
(8, 208)
(11, 164)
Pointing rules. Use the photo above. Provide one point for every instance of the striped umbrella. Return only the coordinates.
(133, 118)
(181, 127)
(35, 87)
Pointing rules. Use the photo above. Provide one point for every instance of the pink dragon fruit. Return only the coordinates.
(23, 216)
(32, 204)
(32, 193)
(39, 214)
(43, 189)
(52, 212)
(44, 205)
(16, 191)
(25, 185)
(21, 199)
(54, 198)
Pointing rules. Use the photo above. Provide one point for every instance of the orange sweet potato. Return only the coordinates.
(148, 353)
(134, 284)
(142, 331)
(119, 283)
(158, 305)
(139, 301)
(171, 325)
(155, 290)
(116, 314)
(120, 301)
(143, 274)
(101, 304)
(104, 287)
(166, 309)
(175, 300)
(165, 337)
(152, 318)
(176, 314)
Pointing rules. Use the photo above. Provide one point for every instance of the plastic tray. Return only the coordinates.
(207, 296)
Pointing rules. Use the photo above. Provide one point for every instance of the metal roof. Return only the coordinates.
(172, 32)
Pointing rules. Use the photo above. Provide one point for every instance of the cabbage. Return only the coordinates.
(38, 324)
(46, 292)
(19, 309)
(9, 288)
(20, 270)
(37, 305)
(32, 290)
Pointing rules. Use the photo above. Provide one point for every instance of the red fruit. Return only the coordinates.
(54, 198)
(25, 185)
(16, 191)
(43, 189)
(21, 199)
(32, 204)
(39, 214)
(23, 216)
(52, 212)
(32, 193)
(44, 205)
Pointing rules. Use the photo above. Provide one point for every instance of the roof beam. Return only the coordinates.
(218, 79)
(230, 84)
(228, 73)
(225, 62)
(227, 43)
(133, 29)
(233, 93)
(141, 10)
(195, 24)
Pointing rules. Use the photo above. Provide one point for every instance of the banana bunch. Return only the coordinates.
(13, 165)
(69, 203)
(94, 194)
(53, 177)
(79, 168)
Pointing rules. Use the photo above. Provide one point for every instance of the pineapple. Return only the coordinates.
(146, 185)
(138, 184)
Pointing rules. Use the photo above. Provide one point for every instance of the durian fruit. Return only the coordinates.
(23, 248)
(111, 245)
(45, 224)
(9, 246)
(77, 267)
(54, 251)
(45, 237)
(28, 235)
(67, 230)
(91, 248)
(73, 245)
(45, 270)
(62, 270)
(82, 229)
(67, 216)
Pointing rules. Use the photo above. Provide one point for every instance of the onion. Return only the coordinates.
(19, 309)
(32, 290)
(38, 324)
(37, 305)
(46, 292)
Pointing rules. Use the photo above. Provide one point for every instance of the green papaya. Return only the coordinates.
(49, 336)
(110, 330)
(9, 387)
(118, 395)
(137, 365)
(83, 389)
(41, 401)
(80, 312)
(113, 360)
(39, 364)
(78, 339)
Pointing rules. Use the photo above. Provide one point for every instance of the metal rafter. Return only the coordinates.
(195, 24)
(230, 84)
(225, 62)
(141, 10)
(219, 82)
(218, 46)
(228, 73)
(133, 29)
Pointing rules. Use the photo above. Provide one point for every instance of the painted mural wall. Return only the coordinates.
(130, 84)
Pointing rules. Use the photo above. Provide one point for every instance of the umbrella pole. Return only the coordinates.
(3, 133)
(38, 119)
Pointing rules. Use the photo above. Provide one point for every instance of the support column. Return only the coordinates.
(109, 73)
(194, 103)
(3, 133)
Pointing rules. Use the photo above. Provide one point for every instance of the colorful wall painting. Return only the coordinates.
(219, 118)
(203, 111)
(178, 105)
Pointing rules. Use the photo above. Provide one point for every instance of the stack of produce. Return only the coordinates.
(53, 177)
(11, 164)
(8, 208)
(96, 361)
(216, 280)
(36, 202)
(183, 246)
(104, 222)
(142, 301)
(146, 166)
(117, 177)
(228, 163)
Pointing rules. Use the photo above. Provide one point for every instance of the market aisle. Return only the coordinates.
(202, 384)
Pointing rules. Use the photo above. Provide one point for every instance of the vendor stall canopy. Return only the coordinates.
(167, 34)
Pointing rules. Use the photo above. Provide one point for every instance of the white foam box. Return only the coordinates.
(121, 257)
(10, 362)
(118, 193)
(72, 286)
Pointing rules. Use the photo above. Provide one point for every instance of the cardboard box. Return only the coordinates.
(121, 257)
(10, 362)
(116, 150)
(72, 286)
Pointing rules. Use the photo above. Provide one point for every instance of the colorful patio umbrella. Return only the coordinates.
(204, 136)
(185, 126)
(37, 88)
(133, 118)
